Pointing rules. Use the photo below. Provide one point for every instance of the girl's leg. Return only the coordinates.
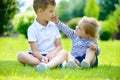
(71, 58)
(71, 63)
(27, 58)
(90, 56)
(89, 59)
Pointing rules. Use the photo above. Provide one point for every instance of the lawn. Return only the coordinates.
(11, 69)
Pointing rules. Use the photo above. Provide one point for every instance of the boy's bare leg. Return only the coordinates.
(70, 58)
(58, 59)
(27, 58)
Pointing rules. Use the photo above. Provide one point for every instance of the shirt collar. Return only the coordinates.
(40, 26)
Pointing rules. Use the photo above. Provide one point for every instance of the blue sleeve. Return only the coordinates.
(66, 30)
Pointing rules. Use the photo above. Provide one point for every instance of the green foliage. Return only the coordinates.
(63, 11)
(73, 22)
(66, 10)
(78, 7)
(116, 13)
(92, 9)
(23, 21)
(100, 9)
(105, 35)
(106, 7)
(111, 25)
(8, 9)
(107, 29)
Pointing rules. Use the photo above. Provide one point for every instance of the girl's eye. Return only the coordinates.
(79, 28)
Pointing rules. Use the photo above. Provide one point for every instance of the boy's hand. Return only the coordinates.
(93, 46)
(50, 55)
(55, 19)
(44, 59)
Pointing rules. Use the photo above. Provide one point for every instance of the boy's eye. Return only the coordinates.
(51, 11)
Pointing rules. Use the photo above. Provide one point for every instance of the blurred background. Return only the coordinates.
(17, 15)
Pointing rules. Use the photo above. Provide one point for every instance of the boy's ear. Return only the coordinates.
(40, 10)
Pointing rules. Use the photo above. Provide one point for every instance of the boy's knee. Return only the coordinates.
(64, 52)
(20, 56)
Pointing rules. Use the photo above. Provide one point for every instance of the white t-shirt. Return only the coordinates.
(44, 36)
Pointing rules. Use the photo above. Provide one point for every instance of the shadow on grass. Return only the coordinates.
(14, 68)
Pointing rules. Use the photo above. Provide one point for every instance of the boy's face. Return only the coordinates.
(47, 13)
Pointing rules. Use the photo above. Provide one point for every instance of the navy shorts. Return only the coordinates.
(32, 54)
(80, 58)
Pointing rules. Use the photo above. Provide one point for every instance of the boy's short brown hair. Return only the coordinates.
(42, 4)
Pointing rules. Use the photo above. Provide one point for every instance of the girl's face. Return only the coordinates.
(80, 31)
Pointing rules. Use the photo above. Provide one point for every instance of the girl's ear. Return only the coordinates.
(87, 34)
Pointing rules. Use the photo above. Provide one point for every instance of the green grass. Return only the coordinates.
(11, 69)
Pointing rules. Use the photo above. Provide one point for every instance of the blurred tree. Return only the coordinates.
(63, 11)
(73, 22)
(68, 9)
(78, 7)
(8, 9)
(106, 7)
(110, 26)
(22, 21)
(92, 9)
(115, 22)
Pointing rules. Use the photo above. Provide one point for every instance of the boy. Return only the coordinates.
(84, 46)
(44, 39)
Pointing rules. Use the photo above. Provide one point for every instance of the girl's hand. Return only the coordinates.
(55, 19)
(50, 55)
(93, 46)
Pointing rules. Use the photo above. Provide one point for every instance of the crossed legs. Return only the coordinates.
(30, 59)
